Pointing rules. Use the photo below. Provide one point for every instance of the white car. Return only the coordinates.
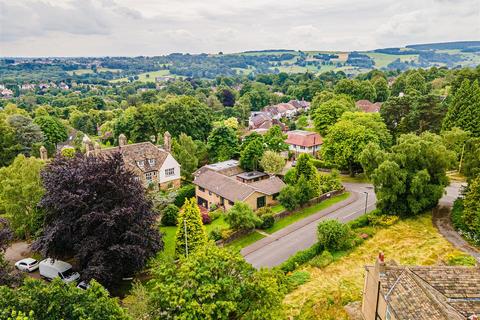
(50, 269)
(83, 285)
(27, 265)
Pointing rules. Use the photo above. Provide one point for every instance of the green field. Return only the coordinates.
(382, 59)
(147, 76)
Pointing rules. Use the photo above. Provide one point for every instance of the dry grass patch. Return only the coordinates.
(411, 242)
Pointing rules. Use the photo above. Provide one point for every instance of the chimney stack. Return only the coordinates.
(380, 263)
(167, 141)
(122, 140)
(43, 153)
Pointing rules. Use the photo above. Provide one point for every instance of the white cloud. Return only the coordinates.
(152, 27)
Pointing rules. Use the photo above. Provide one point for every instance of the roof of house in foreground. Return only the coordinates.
(432, 292)
(232, 189)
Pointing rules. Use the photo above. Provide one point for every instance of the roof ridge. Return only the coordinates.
(435, 296)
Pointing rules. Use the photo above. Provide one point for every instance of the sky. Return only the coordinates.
(156, 27)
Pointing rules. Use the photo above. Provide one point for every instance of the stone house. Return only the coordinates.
(367, 106)
(394, 292)
(152, 165)
(224, 183)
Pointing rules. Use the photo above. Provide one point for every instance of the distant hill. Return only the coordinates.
(209, 66)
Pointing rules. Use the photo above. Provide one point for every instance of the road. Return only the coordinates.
(277, 247)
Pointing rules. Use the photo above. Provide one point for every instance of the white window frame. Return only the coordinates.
(169, 172)
(151, 162)
(149, 176)
(141, 163)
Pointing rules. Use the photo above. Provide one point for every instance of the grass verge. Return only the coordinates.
(242, 242)
(413, 241)
(282, 223)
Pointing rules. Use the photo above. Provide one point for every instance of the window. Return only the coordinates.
(302, 147)
(275, 196)
(230, 202)
(151, 162)
(201, 189)
(261, 201)
(136, 178)
(140, 163)
(388, 316)
(169, 172)
(149, 176)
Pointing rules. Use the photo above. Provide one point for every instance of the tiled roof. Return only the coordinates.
(133, 153)
(367, 106)
(440, 292)
(232, 189)
(303, 138)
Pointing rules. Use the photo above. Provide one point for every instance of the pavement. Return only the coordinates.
(279, 246)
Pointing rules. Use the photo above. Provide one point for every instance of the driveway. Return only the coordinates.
(279, 246)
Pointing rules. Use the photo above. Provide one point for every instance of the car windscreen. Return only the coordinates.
(33, 262)
(67, 273)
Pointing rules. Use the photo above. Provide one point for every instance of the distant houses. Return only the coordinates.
(222, 184)
(271, 115)
(395, 292)
(367, 106)
(301, 141)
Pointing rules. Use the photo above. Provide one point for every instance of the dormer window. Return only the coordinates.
(140, 163)
(151, 162)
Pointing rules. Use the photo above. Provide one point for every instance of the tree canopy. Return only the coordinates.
(97, 212)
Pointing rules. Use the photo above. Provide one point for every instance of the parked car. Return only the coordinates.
(50, 269)
(27, 265)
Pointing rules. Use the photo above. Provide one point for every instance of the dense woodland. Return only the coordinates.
(429, 124)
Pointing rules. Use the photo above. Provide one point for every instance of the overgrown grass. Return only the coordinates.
(413, 241)
(282, 223)
(246, 240)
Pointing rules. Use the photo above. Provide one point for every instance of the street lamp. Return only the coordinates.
(366, 201)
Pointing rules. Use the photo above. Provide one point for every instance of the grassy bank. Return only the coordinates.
(412, 241)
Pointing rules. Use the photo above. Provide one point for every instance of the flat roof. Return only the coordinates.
(222, 165)
(251, 175)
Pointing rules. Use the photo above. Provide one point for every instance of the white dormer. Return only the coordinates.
(140, 163)
(151, 162)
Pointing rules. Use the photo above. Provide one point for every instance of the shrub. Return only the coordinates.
(382, 220)
(206, 218)
(322, 260)
(170, 215)
(288, 198)
(461, 260)
(457, 214)
(333, 235)
(297, 278)
(301, 257)
(360, 222)
(215, 214)
(266, 216)
(185, 192)
(241, 217)
(215, 234)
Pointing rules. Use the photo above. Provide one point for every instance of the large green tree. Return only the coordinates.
(251, 155)
(350, 135)
(274, 139)
(464, 109)
(187, 152)
(327, 113)
(191, 234)
(471, 207)
(412, 176)
(272, 162)
(222, 144)
(55, 300)
(188, 115)
(241, 217)
(27, 134)
(215, 283)
(20, 193)
(53, 130)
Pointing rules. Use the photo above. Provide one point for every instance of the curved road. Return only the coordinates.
(277, 247)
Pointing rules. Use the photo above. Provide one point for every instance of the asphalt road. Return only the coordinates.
(276, 248)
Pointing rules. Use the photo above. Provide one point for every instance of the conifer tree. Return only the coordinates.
(191, 233)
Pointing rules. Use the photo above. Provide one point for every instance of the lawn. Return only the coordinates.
(412, 241)
(88, 71)
(169, 235)
(359, 178)
(282, 223)
(245, 241)
(383, 59)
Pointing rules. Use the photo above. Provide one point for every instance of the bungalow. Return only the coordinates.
(394, 292)
(151, 165)
(222, 184)
(301, 141)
